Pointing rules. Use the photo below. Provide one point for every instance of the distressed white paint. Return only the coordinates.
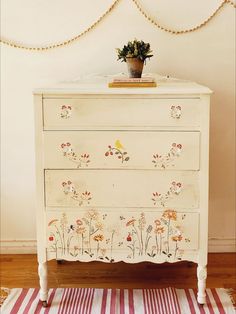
(72, 208)
(206, 56)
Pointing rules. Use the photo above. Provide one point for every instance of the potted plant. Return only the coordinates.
(135, 54)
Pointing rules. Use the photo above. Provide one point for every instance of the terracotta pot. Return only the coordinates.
(135, 67)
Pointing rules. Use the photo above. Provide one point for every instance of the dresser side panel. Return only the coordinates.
(40, 213)
(204, 179)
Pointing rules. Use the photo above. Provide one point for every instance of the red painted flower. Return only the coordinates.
(129, 238)
(51, 238)
(179, 146)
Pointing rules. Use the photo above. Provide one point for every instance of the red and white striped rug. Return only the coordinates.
(117, 301)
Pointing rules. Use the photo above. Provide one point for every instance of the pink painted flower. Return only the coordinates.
(157, 222)
(79, 222)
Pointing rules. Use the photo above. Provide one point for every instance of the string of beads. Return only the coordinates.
(113, 5)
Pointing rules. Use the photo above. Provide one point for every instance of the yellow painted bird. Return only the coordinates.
(118, 145)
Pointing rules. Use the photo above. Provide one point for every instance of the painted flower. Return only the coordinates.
(79, 222)
(52, 222)
(99, 226)
(129, 238)
(170, 214)
(177, 238)
(98, 237)
(64, 220)
(80, 230)
(159, 230)
(92, 214)
(130, 222)
(142, 222)
(157, 222)
(51, 238)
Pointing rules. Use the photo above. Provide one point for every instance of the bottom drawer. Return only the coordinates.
(116, 235)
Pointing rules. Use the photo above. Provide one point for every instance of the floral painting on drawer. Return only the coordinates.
(117, 150)
(101, 235)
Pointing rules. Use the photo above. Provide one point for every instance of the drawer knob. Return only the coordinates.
(176, 112)
(69, 153)
(70, 190)
(66, 111)
(161, 199)
(167, 159)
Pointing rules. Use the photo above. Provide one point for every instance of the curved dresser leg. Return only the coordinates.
(43, 293)
(201, 275)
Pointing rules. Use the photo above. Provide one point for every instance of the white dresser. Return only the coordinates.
(122, 175)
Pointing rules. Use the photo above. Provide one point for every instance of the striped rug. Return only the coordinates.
(117, 301)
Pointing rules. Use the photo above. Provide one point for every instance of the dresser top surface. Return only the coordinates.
(96, 84)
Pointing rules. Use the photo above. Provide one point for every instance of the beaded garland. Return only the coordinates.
(92, 26)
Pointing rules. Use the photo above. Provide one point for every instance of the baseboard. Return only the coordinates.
(18, 246)
(215, 245)
(221, 245)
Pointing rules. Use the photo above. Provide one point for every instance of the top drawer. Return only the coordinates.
(102, 113)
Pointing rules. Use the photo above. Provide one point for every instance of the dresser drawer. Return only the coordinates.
(123, 149)
(122, 234)
(121, 188)
(91, 113)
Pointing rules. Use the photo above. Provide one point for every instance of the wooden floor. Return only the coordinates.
(21, 271)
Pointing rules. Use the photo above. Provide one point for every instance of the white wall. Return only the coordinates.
(205, 56)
